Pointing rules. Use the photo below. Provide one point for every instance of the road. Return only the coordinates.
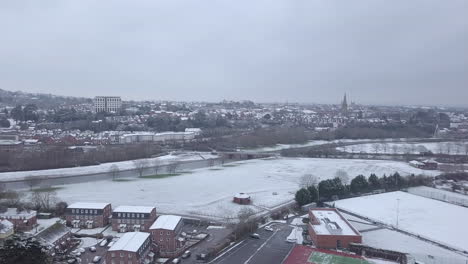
(271, 248)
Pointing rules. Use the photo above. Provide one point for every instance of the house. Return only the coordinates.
(22, 220)
(131, 248)
(6, 229)
(165, 234)
(329, 229)
(57, 237)
(133, 218)
(89, 215)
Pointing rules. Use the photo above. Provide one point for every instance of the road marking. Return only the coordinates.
(258, 249)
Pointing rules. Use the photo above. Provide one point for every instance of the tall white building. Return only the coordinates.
(107, 103)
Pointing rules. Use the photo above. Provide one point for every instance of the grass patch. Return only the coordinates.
(231, 165)
(47, 189)
(216, 169)
(161, 176)
(122, 180)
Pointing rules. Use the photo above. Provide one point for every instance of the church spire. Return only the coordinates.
(344, 105)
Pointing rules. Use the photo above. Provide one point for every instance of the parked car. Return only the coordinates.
(186, 254)
(103, 243)
(175, 261)
(202, 256)
(255, 235)
(96, 259)
(269, 228)
(92, 249)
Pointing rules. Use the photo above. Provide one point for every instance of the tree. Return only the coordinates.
(114, 171)
(303, 197)
(4, 122)
(140, 165)
(156, 166)
(30, 112)
(342, 175)
(359, 184)
(44, 200)
(308, 180)
(331, 187)
(17, 113)
(374, 182)
(24, 250)
(172, 168)
(32, 181)
(60, 208)
(313, 192)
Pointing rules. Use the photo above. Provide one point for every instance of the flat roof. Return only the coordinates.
(131, 241)
(331, 223)
(83, 205)
(168, 222)
(133, 209)
(304, 254)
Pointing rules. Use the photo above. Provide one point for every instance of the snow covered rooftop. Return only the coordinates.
(331, 223)
(13, 213)
(168, 222)
(242, 196)
(5, 226)
(131, 241)
(80, 205)
(133, 209)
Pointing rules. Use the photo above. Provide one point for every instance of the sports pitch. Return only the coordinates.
(324, 258)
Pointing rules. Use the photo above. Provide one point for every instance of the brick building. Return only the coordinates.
(165, 234)
(329, 229)
(88, 215)
(241, 198)
(133, 218)
(131, 248)
(57, 237)
(22, 220)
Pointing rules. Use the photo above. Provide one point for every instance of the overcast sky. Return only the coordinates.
(378, 51)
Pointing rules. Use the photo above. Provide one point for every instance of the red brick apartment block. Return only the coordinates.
(133, 218)
(165, 233)
(131, 248)
(22, 220)
(88, 215)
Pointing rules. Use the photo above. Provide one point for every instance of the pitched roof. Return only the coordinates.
(168, 222)
(131, 241)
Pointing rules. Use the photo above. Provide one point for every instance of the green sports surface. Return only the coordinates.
(324, 258)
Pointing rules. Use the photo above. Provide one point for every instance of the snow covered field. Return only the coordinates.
(209, 191)
(436, 220)
(105, 167)
(453, 148)
(441, 195)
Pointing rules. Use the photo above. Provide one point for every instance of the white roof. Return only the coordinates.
(81, 205)
(133, 209)
(242, 196)
(131, 241)
(5, 226)
(14, 214)
(331, 223)
(168, 222)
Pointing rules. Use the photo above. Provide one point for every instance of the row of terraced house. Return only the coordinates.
(140, 223)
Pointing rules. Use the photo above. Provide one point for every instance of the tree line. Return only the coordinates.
(335, 188)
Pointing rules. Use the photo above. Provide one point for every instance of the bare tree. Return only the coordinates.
(385, 147)
(140, 165)
(448, 148)
(114, 171)
(44, 200)
(172, 168)
(211, 162)
(376, 148)
(308, 180)
(343, 176)
(32, 181)
(395, 148)
(156, 166)
(440, 147)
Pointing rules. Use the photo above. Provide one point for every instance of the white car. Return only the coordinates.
(96, 259)
(269, 228)
(92, 249)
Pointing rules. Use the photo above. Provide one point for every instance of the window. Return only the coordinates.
(113, 254)
(161, 239)
(168, 233)
(86, 211)
(73, 211)
(118, 214)
(167, 239)
(161, 233)
(122, 254)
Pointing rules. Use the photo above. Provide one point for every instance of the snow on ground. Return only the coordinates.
(421, 250)
(441, 195)
(208, 192)
(296, 236)
(428, 218)
(460, 148)
(105, 167)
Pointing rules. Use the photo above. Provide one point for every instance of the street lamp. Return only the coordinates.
(397, 211)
